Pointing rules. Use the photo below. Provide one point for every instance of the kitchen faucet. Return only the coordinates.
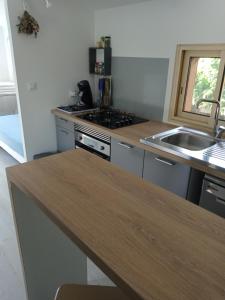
(217, 130)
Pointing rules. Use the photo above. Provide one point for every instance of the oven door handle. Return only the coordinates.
(91, 146)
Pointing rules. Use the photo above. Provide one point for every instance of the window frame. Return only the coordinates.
(181, 68)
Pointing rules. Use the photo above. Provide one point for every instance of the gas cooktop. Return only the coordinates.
(112, 118)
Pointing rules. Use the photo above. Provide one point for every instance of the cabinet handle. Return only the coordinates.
(125, 145)
(165, 161)
(63, 120)
(64, 131)
(220, 200)
(213, 186)
(211, 190)
(91, 146)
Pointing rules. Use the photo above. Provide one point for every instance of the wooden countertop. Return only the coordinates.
(151, 243)
(133, 134)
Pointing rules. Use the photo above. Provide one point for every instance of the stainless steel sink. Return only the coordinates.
(189, 141)
(190, 144)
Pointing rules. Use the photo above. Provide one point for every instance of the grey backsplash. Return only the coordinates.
(139, 85)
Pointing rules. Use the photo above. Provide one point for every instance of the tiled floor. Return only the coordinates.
(96, 276)
(11, 278)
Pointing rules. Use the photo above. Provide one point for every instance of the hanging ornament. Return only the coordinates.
(47, 3)
(25, 5)
(28, 24)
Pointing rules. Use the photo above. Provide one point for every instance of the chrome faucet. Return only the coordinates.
(217, 130)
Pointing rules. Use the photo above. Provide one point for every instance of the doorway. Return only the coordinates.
(11, 135)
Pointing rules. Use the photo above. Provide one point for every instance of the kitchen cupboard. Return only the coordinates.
(175, 177)
(127, 156)
(63, 123)
(65, 135)
(49, 257)
(166, 173)
(100, 57)
(213, 195)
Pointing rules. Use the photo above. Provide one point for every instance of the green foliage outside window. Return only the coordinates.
(205, 85)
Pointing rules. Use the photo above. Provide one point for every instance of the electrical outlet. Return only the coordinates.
(72, 94)
(31, 86)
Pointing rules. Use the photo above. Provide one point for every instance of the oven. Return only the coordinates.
(93, 141)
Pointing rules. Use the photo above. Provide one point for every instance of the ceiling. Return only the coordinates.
(103, 4)
(92, 4)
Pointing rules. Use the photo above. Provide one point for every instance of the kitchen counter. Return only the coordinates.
(130, 134)
(150, 242)
(133, 134)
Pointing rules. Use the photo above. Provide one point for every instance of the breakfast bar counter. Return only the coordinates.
(151, 243)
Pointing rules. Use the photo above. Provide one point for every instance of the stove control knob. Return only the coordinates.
(102, 148)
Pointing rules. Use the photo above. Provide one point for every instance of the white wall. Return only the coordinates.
(56, 60)
(153, 29)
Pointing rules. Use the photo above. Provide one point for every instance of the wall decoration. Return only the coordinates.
(47, 3)
(28, 24)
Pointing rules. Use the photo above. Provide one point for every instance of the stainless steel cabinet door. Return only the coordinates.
(65, 139)
(127, 156)
(170, 175)
(63, 123)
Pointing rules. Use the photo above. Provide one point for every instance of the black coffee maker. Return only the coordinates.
(85, 94)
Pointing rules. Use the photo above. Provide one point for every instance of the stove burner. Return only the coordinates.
(112, 118)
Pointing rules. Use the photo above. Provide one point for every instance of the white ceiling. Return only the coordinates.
(93, 4)
(104, 4)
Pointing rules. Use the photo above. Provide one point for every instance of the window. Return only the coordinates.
(6, 64)
(199, 74)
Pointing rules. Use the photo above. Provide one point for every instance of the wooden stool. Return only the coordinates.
(89, 292)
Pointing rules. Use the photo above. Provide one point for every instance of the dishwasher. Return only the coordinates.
(213, 195)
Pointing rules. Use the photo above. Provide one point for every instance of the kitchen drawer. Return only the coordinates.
(63, 123)
(127, 156)
(65, 139)
(213, 197)
(168, 174)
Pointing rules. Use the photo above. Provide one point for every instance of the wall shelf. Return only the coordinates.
(102, 57)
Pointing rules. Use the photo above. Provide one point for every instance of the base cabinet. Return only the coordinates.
(166, 173)
(127, 156)
(213, 195)
(65, 140)
(50, 259)
(65, 135)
